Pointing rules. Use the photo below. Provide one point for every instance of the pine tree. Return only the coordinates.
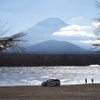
(12, 41)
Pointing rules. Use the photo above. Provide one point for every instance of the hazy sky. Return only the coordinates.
(26, 13)
(78, 14)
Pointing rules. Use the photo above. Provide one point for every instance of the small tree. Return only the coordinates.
(11, 42)
(97, 30)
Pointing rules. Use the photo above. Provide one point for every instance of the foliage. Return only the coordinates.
(11, 42)
(97, 30)
(48, 60)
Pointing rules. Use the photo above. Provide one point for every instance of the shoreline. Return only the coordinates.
(63, 92)
(50, 86)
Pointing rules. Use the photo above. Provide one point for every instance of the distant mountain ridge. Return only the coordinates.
(55, 47)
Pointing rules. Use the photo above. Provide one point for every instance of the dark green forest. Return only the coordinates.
(12, 60)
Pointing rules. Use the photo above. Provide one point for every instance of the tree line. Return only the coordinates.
(12, 60)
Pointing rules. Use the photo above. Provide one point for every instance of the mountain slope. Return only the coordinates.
(55, 47)
(43, 30)
(47, 26)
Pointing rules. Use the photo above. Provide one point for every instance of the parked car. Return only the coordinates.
(51, 82)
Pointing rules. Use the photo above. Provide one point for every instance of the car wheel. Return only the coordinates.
(57, 84)
(45, 84)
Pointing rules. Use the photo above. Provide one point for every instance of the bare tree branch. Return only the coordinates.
(97, 29)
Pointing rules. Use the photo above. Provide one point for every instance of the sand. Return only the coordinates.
(64, 92)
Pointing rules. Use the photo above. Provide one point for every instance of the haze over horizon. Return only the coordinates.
(78, 14)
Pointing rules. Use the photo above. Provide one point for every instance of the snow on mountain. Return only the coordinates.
(47, 26)
(43, 30)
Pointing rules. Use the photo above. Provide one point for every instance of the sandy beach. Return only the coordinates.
(64, 92)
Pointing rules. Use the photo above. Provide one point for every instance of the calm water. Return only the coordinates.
(11, 76)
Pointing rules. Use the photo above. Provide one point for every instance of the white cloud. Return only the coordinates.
(73, 33)
(96, 24)
(75, 27)
(76, 18)
(90, 41)
(74, 30)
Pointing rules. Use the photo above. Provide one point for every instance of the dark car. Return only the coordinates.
(51, 82)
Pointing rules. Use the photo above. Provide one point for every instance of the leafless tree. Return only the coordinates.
(97, 29)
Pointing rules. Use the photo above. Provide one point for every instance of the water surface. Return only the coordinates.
(12, 76)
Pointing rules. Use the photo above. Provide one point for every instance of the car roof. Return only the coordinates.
(54, 79)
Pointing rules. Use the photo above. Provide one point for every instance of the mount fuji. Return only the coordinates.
(43, 30)
(47, 26)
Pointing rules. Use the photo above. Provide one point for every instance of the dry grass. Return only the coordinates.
(68, 92)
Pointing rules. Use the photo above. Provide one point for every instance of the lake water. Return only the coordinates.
(14, 76)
